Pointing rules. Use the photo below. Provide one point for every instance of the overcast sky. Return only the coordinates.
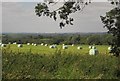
(20, 17)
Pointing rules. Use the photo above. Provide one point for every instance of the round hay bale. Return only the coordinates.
(110, 48)
(79, 47)
(90, 47)
(35, 44)
(42, 44)
(20, 45)
(52, 46)
(46, 44)
(15, 43)
(28, 43)
(32, 44)
(72, 44)
(65, 47)
(3, 45)
(93, 52)
(93, 47)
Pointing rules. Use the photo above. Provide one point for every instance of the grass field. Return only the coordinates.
(41, 62)
(103, 49)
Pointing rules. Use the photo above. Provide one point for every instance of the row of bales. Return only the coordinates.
(92, 49)
(64, 46)
(55, 46)
(21, 45)
(42, 44)
(5, 45)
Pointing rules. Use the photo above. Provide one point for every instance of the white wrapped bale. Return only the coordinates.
(42, 44)
(15, 43)
(32, 44)
(93, 51)
(79, 47)
(90, 47)
(3, 45)
(46, 44)
(52, 46)
(20, 45)
(110, 48)
(93, 47)
(28, 43)
(35, 44)
(65, 47)
(72, 44)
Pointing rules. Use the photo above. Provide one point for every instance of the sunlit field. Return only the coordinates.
(103, 49)
(42, 62)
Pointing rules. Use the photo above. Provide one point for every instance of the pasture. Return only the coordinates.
(41, 49)
(42, 62)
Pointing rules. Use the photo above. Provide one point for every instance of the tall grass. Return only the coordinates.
(58, 66)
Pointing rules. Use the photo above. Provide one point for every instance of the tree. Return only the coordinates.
(94, 39)
(75, 39)
(63, 12)
(112, 23)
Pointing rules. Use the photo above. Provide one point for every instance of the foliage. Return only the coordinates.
(63, 12)
(98, 39)
(94, 39)
(58, 66)
(112, 23)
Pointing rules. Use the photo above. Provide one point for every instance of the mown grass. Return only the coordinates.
(46, 50)
(60, 65)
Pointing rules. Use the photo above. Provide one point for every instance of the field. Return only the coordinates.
(41, 62)
(103, 49)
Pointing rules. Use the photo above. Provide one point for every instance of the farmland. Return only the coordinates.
(42, 62)
(103, 49)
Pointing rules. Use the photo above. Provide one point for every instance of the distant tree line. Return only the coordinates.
(89, 39)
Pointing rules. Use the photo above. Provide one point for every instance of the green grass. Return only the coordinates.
(44, 63)
(46, 50)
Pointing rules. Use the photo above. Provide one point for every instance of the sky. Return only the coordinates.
(43, 0)
(20, 17)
